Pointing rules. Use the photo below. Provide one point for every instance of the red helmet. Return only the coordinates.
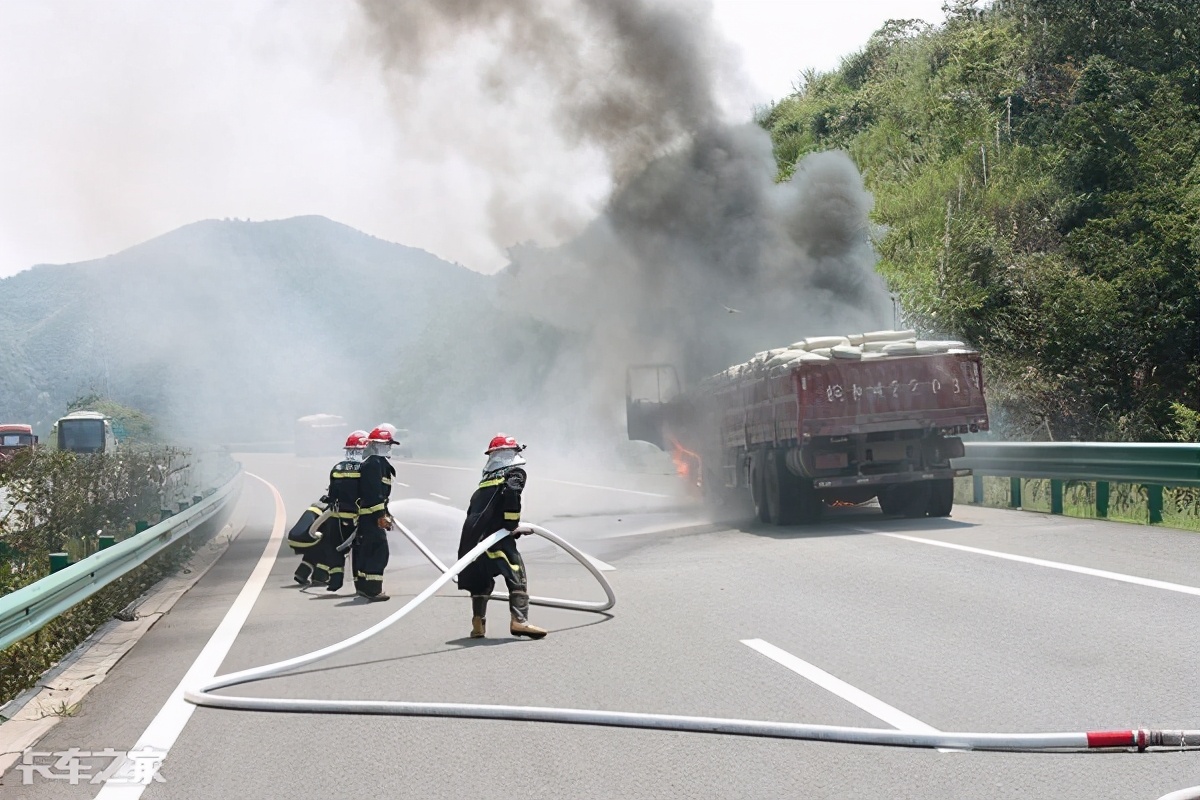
(503, 441)
(381, 434)
(356, 440)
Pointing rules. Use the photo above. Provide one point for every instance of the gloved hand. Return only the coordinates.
(384, 522)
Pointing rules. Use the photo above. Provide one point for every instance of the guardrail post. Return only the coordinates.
(196, 498)
(165, 514)
(1056, 500)
(1014, 494)
(183, 505)
(107, 540)
(1154, 499)
(977, 489)
(1102, 499)
(140, 526)
(59, 561)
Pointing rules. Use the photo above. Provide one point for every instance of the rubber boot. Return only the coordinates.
(518, 606)
(479, 615)
(303, 573)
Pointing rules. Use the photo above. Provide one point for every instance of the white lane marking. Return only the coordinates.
(398, 483)
(1096, 573)
(438, 496)
(872, 705)
(165, 728)
(607, 488)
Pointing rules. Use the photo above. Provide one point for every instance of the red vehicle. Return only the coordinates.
(15, 437)
(831, 420)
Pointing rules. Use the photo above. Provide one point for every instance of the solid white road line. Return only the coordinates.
(872, 705)
(165, 728)
(1039, 562)
(438, 496)
(398, 483)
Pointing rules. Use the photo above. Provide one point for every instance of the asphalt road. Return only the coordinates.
(954, 639)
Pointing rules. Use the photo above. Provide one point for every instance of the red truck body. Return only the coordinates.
(803, 434)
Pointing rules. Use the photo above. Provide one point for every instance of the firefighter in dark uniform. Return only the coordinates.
(321, 562)
(301, 540)
(374, 521)
(496, 505)
(343, 503)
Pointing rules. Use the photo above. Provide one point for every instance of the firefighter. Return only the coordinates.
(374, 521)
(496, 505)
(301, 540)
(343, 503)
(321, 562)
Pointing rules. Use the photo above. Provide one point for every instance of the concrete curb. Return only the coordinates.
(31, 715)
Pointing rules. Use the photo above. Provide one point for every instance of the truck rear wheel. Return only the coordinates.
(790, 499)
(941, 497)
(758, 488)
(906, 499)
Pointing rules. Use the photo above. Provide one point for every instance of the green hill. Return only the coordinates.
(226, 330)
(1037, 184)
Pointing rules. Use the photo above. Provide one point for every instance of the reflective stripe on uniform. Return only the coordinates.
(335, 570)
(499, 554)
(512, 514)
(325, 567)
(297, 545)
(367, 577)
(373, 509)
(346, 514)
(387, 481)
(316, 510)
(492, 482)
(345, 475)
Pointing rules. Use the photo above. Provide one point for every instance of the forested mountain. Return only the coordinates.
(224, 329)
(1037, 186)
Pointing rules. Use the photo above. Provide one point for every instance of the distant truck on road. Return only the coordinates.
(15, 437)
(84, 432)
(825, 421)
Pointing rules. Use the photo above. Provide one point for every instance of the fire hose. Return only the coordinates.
(1141, 739)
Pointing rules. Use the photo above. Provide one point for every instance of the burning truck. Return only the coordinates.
(826, 421)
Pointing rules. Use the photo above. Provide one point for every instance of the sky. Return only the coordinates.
(120, 121)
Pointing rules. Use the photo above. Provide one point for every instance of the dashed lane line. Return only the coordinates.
(1041, 562)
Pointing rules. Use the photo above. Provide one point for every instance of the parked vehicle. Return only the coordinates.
(15, 437)
(84, 432)
(320, 435)
(828, 420)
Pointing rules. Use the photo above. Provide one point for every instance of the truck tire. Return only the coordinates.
(791, 499)
(941, 497)
(758, 488)
(906, 499)
(914, 502)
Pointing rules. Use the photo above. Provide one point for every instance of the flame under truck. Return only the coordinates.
(828, 420)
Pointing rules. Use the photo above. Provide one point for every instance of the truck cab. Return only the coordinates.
(15, 437)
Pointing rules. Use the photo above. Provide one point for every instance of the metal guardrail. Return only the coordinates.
(1151, 465)
(28, 609)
